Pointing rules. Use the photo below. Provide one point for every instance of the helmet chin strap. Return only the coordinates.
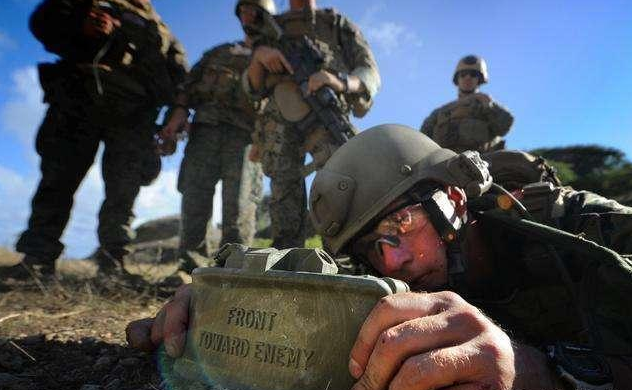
(451, 228)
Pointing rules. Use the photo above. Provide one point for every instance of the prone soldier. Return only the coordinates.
(118, 64)
(549, 266)
(282, 137)
(219, 143)
(474, 121)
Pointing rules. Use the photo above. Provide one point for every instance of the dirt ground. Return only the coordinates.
(70, 333)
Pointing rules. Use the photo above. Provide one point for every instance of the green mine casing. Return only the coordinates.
(257, 327)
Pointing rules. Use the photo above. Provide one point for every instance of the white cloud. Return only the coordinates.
(15, 192)
(22, 114)
(388, 36)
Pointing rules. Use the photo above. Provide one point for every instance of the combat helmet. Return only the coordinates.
(376, 167)
(471, 62)
(266, 5)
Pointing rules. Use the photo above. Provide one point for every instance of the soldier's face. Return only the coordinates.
(300, 4)
(248, 14)
(406, 246)
(468, 80)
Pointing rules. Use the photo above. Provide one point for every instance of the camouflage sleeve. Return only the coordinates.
(195, 77)
(361, 61)
(601, 219)
(429, 124)
(57, 24)
(500, 119)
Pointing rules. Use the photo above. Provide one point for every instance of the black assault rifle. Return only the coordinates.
(306, 59)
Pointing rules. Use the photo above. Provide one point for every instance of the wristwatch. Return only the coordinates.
(580, 368)
(344, 77)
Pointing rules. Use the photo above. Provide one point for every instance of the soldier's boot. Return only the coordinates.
(111, 269)
(29, 268)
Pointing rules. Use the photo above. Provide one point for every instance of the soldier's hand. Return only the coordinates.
(485, 99)
(176, 121)
(322, 78)
(254, 155)
(272, 60)
(430, 341)
(99, 23)
(168, 327)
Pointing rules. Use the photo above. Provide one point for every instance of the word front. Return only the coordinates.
(253, 319)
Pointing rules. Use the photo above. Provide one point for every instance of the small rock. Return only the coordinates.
(129, 362)
(50, 336)
(91, 387)
(89, 340)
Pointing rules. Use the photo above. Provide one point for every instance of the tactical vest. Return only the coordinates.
(462, 126)
(130, 71)
(214, 87)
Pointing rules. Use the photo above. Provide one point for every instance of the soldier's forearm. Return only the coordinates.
(256, 74)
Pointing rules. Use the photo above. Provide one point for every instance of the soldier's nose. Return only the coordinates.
(394, 258)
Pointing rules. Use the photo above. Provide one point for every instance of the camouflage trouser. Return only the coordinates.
(214, 153)
(283, 159)
(67, 146)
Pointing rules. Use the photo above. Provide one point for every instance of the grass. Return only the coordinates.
(312, 242)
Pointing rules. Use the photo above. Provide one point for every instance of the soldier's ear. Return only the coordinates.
(458, 199)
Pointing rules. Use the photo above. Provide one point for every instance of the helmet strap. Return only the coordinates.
(451, 228)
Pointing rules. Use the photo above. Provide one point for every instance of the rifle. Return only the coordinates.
(306, 59)
(276, 320)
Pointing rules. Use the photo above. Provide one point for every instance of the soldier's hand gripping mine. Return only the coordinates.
(169, 327)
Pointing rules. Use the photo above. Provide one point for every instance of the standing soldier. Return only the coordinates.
(474, 121)
(219, 144)
(282, 139)
(118, 65)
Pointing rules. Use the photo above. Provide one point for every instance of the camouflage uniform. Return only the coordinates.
(282, 145)
(467, 124)
(218, 150)
(140, 65)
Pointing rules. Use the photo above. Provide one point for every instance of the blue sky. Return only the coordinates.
(562, 68)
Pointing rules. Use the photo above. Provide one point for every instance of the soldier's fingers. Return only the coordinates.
(286, 63)
(411, 338)
(390, 311)
(138, 334)
(157, 328)
(439, 369)
(312, 85)
(175, 327)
